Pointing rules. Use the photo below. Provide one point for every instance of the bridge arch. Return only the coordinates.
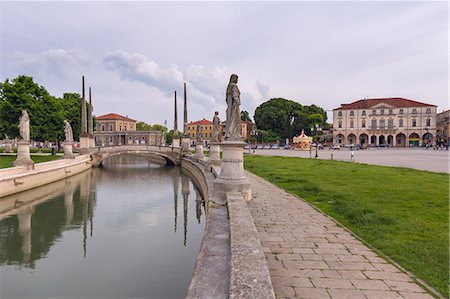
(172, 156)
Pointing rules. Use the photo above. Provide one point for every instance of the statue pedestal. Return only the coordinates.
(185, 147)
(23, 155)
(84, 144)
(232, 176)
(214, 153)
(68, 153)
(8, 148)
(176, 143)
(199, 151)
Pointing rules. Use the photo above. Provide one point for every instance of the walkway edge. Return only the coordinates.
(419, 281)
(250, 277)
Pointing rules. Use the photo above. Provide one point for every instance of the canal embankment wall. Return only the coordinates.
(231, 262)
(18, 179)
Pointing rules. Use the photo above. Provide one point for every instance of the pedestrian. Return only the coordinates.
(352, 155)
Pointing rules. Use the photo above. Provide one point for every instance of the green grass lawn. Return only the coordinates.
(404, 213)
(7, 161)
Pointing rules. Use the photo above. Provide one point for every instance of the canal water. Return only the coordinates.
(131, 229)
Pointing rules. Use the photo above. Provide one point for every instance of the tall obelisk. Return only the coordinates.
(185, 140)
(175, 140)
(90, 121)
(84, 138)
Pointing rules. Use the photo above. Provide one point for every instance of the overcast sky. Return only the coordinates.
(134, 55)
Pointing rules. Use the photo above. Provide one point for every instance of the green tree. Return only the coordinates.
(245, 115)
(158, 127)
(45, 111)
(169, 136)
(287, 118)
(142, 126)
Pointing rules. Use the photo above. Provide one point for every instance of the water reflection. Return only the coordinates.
(50, 229)
(34, 220)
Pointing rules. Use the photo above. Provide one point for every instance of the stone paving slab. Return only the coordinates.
(310, 256)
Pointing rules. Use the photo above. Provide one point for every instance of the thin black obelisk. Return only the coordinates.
(83, 111)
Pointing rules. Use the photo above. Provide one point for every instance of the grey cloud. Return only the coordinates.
(53, 62)
(137, 67)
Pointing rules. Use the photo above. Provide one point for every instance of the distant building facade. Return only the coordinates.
(247, 128)
(395, 122)
(114, 129)
(443, 126)
(206, 130)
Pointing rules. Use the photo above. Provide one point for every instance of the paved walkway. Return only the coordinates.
(309, 256)
(418, 158)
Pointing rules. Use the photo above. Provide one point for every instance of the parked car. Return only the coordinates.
(286, 146)
(247, 147)
(275, 146)
(267, 147)
(335, 146)
(260, 147)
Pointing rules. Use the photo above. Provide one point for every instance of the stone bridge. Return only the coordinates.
(172, 155)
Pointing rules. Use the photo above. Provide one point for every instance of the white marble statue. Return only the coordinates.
(68, 131)
(199, 133)
(232, 128)
(24, 126)
(216, 127)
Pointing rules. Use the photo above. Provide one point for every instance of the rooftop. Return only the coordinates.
(395, 102)
(114, 116)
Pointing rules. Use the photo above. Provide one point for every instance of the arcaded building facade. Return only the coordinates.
(114, 129)
(395, 122)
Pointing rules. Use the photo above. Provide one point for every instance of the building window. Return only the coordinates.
(414, 111)
(351, 123)
(340, 113)
(400, 111)
(363, 124)
(110, 127)
(414, 122)
(125, 128)
(390, 123)
(340, 124)
(110, 139)
(428, 111)
(374, 112)
(428, 122)
(382, 111)
(390, 111)
(373, 124)
(382, 123)
(120, 128)
(400, 122)
(352, 113)
(363, 113)
(103, 128)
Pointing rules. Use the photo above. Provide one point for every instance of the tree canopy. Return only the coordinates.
(287, 118)
(46, 111)
(245, 115)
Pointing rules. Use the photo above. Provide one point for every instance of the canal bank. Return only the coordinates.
(125, 230)
(17, 179)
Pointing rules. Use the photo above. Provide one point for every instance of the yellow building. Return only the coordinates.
(207, 128)
(114, 122)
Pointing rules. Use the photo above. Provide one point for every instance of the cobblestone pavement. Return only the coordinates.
(310, 256)
(418, 158)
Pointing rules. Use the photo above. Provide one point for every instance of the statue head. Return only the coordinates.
(216, 113)
(234, 78)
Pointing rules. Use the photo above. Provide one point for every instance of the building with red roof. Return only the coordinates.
(384, 122)
(115, 129)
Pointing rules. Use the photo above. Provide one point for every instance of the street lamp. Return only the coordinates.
(316, 129)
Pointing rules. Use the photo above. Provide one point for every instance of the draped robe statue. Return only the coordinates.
(24, 126)
(68, 131)
(232, 128)
(216, 127)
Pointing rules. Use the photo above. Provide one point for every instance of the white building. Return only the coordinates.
(386, 121)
